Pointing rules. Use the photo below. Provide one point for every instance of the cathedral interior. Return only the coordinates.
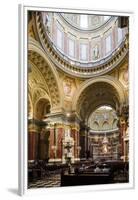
(78, 99)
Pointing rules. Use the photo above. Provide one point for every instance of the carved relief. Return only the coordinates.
(50, 81)
(124, 75)
(67, 85)
(39, 93)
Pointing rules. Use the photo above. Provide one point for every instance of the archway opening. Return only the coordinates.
(42, 109)
(97, 108)
(103, 135)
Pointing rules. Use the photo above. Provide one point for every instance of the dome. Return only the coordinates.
(103, 119)
(83, 22)
(82, 45)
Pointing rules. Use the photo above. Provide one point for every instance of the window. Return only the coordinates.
(59, 39)
(71, 47)
(119, 35)
(108, 44)
(83, 21)
(83, 52)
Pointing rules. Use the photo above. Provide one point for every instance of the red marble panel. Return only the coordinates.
(122, 129)
(31, 146)
(74, 135)
(51, 143)
(60, 132)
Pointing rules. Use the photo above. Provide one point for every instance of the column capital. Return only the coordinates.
(35, 125)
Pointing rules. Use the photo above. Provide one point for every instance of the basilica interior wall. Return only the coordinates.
(60, 105)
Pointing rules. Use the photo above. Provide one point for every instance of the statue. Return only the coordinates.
(96, 52)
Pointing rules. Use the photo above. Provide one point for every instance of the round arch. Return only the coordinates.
(30, 105)
(41, 108)
(96, 106)
(38, 93)
(105, 79)
(36, 77)
(37, 56)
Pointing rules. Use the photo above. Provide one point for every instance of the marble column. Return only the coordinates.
(36, 134)
(123, 124)
(75, 136)
(33, 134)
(51, 144)
(55, 146)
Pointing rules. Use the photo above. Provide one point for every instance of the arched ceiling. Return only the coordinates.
(85, 22)
(95, 93)
(40, 108)
(77, 55)
(48, 75)
(101, 117)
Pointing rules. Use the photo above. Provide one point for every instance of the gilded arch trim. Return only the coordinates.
(37, 55)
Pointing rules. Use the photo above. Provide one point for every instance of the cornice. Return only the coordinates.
(75, 68)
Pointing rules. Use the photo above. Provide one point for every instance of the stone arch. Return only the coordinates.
(30, 106)
(36, 78)
(38, 93)
(97, 105)
(108, 79)
(38, 57)
(41, 108)
(82, 98)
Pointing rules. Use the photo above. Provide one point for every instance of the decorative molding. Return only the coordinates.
(83, 92)
(38, 57)
(74, 68)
